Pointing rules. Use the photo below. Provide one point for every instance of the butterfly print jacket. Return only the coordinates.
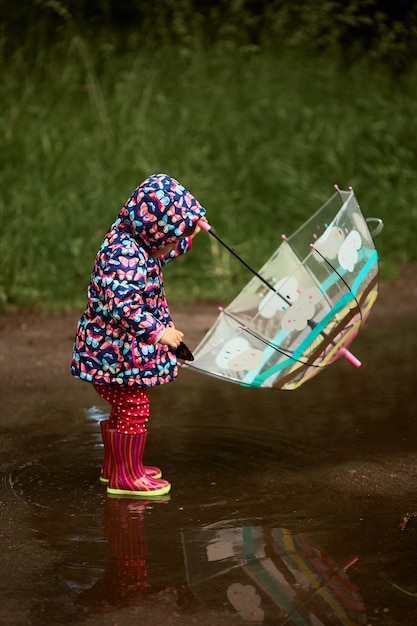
(127, 310)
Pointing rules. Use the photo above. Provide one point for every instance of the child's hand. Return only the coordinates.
(171, 337)
(196, 231)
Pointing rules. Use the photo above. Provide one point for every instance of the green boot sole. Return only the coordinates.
(139, 494)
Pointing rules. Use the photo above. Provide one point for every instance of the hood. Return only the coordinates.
(159, 211)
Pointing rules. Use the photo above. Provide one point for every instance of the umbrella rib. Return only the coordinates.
(265, 341)
(340, 276)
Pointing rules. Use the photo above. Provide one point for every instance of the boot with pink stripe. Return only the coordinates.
(106, 469)
(128, 477)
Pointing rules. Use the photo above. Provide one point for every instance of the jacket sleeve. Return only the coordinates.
(183, 246)
(123, 287)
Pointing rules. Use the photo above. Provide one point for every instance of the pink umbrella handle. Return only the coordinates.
(350, 357)
(204, 225)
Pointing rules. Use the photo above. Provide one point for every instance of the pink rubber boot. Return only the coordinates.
(106, 468)
(128, 476)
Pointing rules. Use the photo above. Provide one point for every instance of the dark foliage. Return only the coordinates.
(382, 29)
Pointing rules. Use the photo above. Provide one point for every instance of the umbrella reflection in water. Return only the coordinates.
(270, 576)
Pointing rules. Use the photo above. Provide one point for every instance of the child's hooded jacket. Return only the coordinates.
(127, 310)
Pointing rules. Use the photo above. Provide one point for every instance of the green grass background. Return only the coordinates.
(259, 135)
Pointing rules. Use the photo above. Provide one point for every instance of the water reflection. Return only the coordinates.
(270, 575)
(126, 573)
(265, 575)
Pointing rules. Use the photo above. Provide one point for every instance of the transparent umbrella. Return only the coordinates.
(303, 308)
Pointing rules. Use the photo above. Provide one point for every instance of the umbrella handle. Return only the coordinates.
(350, 357)
(378, 227)
(204, 225)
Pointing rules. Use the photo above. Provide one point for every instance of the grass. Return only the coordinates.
(258, 135)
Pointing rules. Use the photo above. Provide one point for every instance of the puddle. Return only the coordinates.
(285, 507)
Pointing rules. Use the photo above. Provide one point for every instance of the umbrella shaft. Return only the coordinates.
(249, 267)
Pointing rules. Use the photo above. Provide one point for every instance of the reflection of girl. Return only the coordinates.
(125, 578)
(126, 340)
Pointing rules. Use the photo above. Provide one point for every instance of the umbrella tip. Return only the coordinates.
(336, 186)
(284, 237)
(351, 358)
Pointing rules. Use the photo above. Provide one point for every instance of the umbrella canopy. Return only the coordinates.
(270, 575)
(303, 308)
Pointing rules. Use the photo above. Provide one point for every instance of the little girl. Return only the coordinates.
(126, 339)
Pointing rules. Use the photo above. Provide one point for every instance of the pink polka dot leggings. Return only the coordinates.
(129, 407)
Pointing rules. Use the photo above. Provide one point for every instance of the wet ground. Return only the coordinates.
(285, 509)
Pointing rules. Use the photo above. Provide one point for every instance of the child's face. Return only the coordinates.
(189, 231)
(170, 246)
(165, 250)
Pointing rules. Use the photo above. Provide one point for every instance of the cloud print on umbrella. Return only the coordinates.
(335, 244)
(329, 244)
(348, 253)
(270, 575)
(237, 355)
(270, 304)
(297, 316)
(246, 601)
